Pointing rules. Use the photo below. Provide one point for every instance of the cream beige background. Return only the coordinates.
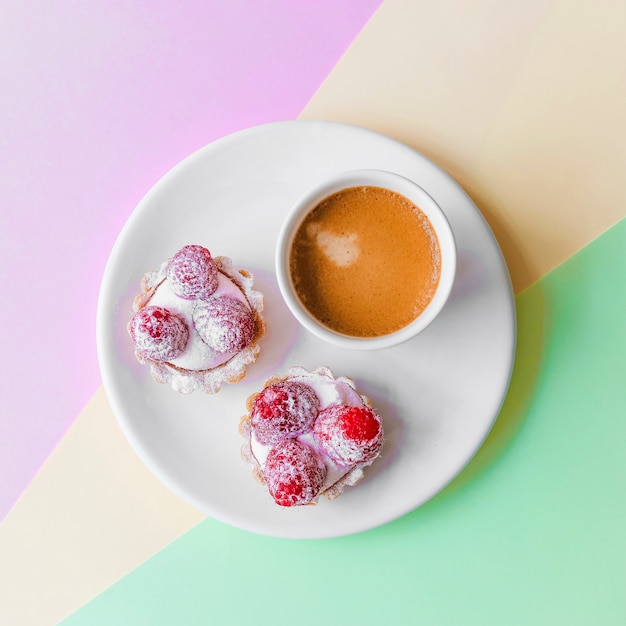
(522, 102)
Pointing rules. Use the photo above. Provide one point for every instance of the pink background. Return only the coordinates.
(98, 101)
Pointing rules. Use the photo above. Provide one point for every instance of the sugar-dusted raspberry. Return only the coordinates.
(284, 409)
(158, 334)
(348, 434)
(294, 473)
(224, 323)
(192, 273)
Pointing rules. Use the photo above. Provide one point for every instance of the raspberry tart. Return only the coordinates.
(197, 321)
(309, 434)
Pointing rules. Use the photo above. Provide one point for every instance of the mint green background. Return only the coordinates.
(532, 532)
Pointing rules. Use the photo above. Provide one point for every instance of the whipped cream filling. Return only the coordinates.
(330, 391)
(198, 355)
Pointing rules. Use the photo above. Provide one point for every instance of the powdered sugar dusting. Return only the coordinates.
(201, 366)
(224, 323)
(294, 473)
(284, 409)
(331, 391)
(192, 273)
(349, 435)
(158, 333)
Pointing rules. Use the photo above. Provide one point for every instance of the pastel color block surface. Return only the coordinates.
(84, 522)
(530, 533)
(98, 101)
(531, 124)
(523, 103)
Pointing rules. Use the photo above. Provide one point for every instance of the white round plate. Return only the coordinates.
(439, 393)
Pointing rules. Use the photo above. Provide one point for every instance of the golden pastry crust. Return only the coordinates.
(232, 371)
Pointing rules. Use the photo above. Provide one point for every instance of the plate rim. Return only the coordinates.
(104, 298)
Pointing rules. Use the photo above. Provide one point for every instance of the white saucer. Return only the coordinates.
(439, 393)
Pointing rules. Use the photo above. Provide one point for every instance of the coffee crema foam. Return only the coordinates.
(365, 261)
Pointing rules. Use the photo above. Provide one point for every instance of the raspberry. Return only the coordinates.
(349, 434)
(224, 323)
(284, 409)
(158, 334)
(294, 473)
(192, 273)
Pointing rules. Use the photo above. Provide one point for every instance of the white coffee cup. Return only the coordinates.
(369, 178)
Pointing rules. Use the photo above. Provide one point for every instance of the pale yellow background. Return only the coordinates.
(92, 514)
(521, 101)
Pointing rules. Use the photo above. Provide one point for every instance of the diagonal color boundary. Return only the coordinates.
(441, 152)
(538, 513)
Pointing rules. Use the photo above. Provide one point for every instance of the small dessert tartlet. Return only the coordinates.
(197, 321)
(309, 434)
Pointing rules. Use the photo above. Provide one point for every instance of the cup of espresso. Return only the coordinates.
(366, 259)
